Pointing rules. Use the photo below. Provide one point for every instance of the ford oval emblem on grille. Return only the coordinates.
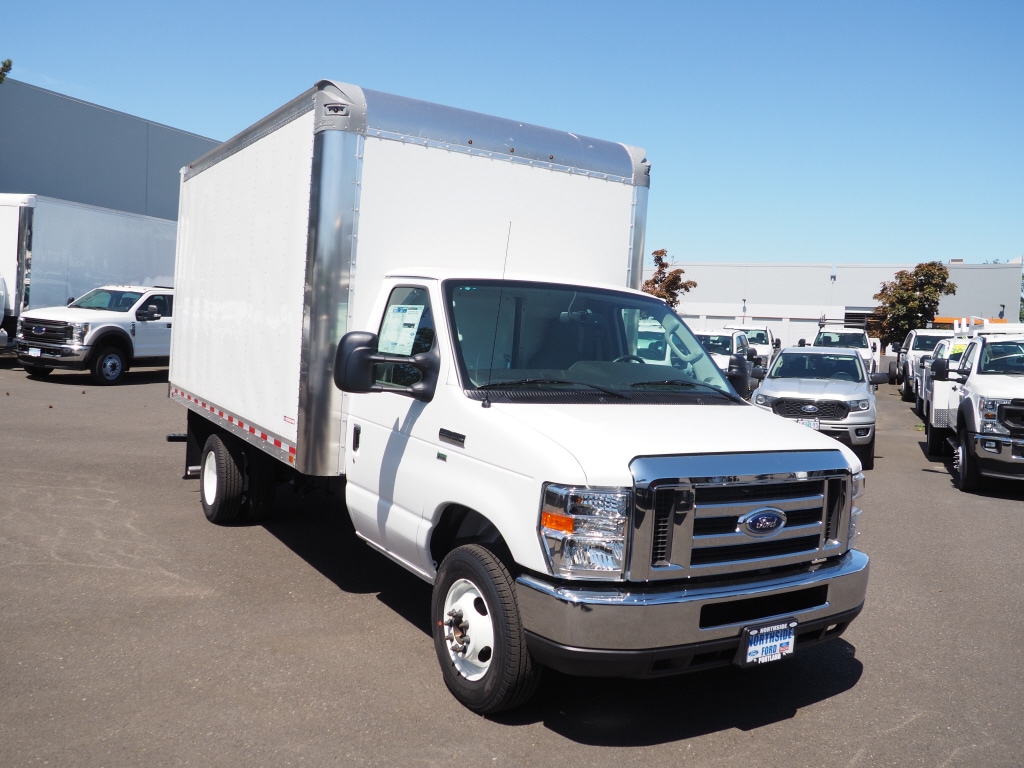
(762, 522)
(38, 330)
(809, 408)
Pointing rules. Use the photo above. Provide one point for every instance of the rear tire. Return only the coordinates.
(260, 485)
(220, 480)
(907, 390)
(478, 632)
(935, 439)
(109, 366)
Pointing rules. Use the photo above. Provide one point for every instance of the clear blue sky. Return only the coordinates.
(822, 131)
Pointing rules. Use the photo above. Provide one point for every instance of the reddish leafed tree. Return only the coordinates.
(666, 285)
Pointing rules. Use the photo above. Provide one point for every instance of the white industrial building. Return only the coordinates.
(791, 298)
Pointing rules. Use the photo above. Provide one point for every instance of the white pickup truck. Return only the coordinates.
(106, 331)
(382, 296)
(989, 384)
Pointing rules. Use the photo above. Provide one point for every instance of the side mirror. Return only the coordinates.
(777, 344)
(737, 374)
(759, 373)
(357, 355)
(874, 347)
(895, 347)
(940, 370)
(69, 301)
(148, 313)
(752, 353)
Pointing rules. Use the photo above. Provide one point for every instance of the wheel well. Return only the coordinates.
(114, 339)
(460, 525)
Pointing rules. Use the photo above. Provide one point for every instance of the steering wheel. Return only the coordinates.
(629, 359)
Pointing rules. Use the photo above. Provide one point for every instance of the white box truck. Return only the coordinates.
(54, 250)
(433, 307)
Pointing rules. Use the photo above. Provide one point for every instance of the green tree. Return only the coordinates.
(5, 67)
(911, 299)
(664, 284)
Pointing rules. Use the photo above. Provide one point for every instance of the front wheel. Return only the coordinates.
(967, 476)
(478, 632)
(109, 366)
(866, 454)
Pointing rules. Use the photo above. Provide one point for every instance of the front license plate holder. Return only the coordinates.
(34, 352)
(811, 423)
(765, 643)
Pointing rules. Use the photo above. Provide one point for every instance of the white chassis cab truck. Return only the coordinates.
(53, 251)
(383, 295)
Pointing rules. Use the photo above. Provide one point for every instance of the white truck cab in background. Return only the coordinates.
(384, 292)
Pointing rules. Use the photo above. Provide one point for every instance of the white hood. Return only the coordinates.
(605, 438)
(75, 315)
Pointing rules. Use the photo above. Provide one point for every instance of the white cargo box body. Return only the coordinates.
(286, 231)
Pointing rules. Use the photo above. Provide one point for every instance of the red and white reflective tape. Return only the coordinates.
(235, 421)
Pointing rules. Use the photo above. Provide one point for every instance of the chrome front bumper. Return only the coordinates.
(72, 356)
(641, 630)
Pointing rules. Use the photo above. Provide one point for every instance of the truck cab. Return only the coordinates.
(989, 385)
(105, 331)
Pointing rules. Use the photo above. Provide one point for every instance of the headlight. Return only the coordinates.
(583, 530)
(18, 331)
(990, 417)
(857, 490)
(78, 332)
(858, 405)
(766, 400)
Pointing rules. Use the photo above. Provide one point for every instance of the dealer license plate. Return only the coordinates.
(770, 642)
(34, 352)
(812, 423)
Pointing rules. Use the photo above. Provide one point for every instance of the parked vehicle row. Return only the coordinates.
(972, 402)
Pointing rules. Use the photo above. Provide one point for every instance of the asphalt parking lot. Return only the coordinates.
(136, 633)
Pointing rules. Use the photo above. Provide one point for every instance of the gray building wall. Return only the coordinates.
(822, 288)
(57, 146)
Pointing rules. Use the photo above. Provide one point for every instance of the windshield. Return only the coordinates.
(805, 365)
(854, 339)
(716, 343)
(1002, 357)
(530, 341)
(108, 298)
(927, 343)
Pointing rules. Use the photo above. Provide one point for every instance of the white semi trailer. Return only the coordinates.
(432, 306)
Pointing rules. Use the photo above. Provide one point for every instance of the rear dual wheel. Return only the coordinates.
(236, 482)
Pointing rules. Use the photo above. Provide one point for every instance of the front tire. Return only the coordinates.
(967, 476)
(478, 632)
(220, 480)
(907, 390)
(866, 454)
(109, 366)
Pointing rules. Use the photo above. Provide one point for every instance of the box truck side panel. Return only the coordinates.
(77, 247)
(242, 232)
(462, 211)
(13, 213)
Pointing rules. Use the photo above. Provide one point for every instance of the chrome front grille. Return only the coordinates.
(45, 331)
(688, 514)
(831, 410)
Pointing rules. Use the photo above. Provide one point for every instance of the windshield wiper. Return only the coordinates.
(688, 383)
(523, 382)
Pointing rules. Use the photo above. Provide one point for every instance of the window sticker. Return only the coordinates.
(398, 331)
